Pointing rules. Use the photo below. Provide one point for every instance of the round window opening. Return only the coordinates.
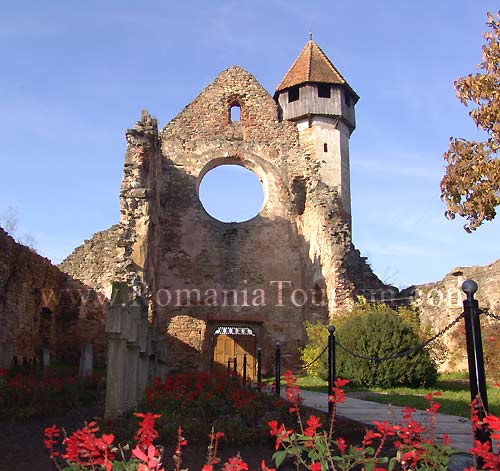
(231, 193)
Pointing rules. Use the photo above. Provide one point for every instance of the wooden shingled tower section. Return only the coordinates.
(312, 66)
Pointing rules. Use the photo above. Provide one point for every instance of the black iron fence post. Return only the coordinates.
(477, 377)
(228, 365)
(244, 369)
(235, 365)
(331, 365)
(259, 367)
(277, 389)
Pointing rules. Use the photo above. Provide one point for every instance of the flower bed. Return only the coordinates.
(199, 401)
(34, 393)
(307, 444)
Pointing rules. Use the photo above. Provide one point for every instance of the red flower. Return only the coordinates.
(370, 435)
(274, 426)
(281, 433)
(264, 467)
(408, 412)
(341, 445)
(431, 395)
(338, 395)
(51, 434)
(292, 393)
(313, 423)
(151, 459)
(84, 448)
(235, 464)
(340, 383)
(146, 433)
(316, 466)
(384, 427)
(493, 424)
(433, 408)
(181, 441)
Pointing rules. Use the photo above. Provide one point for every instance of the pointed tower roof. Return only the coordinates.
(312, 65)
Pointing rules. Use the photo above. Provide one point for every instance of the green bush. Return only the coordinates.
(379, 334)
(374, 330)
(317, 335)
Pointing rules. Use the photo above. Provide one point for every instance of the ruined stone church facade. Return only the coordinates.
(220, 290)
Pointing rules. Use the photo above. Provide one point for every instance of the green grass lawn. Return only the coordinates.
(455, 398)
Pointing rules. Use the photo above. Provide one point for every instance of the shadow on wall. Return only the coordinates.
(42, 307)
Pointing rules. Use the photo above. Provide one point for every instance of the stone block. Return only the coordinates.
(87, 361)
(114, 319)
(134, 316)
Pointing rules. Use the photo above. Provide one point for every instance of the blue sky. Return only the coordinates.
(75, 75)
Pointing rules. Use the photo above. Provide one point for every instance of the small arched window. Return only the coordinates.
(234, 113)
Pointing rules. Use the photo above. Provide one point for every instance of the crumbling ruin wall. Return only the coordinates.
(126, 251)
(263, 256)
(441, 302)
(139, 210)
(95, 262)
(299, 238)
(40, 306)
(198, 273)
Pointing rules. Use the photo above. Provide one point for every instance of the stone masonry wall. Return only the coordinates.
(168, 246)
(40, 306)
(441, 302)
(94, 263)
(300, 236)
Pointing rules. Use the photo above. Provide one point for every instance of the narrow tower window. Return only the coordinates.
(325, 147)
(293, 94)
(234, 113)
(323, 90)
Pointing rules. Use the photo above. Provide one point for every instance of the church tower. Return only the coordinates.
(315, 96)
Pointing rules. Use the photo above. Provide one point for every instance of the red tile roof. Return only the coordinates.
(312, 65)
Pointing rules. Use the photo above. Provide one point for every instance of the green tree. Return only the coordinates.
(471, 184)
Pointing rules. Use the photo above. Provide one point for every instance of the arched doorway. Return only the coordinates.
(234, 342)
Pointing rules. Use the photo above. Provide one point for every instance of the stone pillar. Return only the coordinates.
(143, 363)
(86, 361)
(116, 326)
(6, 355)
(134, 353)
(46, 357)
(131, 363)
(130, 376)
(43, 355)
(117, 351)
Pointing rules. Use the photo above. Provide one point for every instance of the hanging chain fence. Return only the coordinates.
(487, 313)
(316, 359)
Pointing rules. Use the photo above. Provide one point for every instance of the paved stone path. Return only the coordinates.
(459, 429)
